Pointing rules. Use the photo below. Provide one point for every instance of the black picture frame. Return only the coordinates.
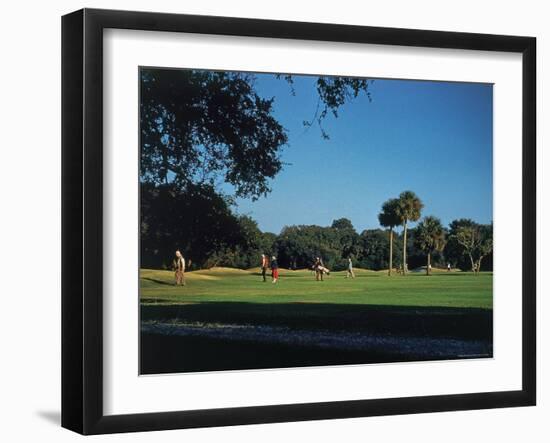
(82, 216)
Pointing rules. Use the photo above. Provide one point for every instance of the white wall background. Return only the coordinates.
(30, 219)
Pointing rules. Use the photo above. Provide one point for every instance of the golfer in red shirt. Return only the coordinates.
(274, 270)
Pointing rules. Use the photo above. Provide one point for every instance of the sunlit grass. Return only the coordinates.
(454, 289)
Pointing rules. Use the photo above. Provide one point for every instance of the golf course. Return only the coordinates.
(227, 318)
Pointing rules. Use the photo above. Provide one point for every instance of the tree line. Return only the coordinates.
(463, 240)
(201, 224)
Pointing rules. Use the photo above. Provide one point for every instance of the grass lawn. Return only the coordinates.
(230, 319)
(453, 289)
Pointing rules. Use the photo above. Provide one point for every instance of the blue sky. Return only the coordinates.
(434, 138)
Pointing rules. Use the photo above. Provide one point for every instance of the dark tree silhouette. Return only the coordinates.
(212, 127)
(333, 93)
(170, 220)
(203, 127)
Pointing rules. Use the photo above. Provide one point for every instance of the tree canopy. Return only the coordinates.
(212, 127)
(409, 207)
(203, 127)
(390, 216)
(476, 242)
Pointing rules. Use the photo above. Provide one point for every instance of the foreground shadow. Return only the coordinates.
(162, 352)
(461, 323)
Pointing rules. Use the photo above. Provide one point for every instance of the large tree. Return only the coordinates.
(213, 127)
(454, 251)
(429, 236)
(347, 237)
(477, 243)
(169, 221)
(213, 130)
(389, 218)
(203, 127)
(409, 209)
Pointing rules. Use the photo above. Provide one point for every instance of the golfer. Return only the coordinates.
(274, 270)
(349, 272)
(318, 266)
(179, 267)
(264, 265)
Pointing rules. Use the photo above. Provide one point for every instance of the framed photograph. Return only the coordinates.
(268, 221)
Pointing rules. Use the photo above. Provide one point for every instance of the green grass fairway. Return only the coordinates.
(230, 319)
(453, 289)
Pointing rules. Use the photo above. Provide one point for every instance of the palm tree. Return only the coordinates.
(429, 236)
(389, 218)
(409, 209)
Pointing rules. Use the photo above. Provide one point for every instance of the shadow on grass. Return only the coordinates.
(460, 323)
(160, 282)
(183, 353)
